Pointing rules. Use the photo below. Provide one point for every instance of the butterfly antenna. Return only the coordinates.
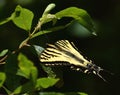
(101, 77)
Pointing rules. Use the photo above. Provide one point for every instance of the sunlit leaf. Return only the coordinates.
(26, 67)
(51, 93)
(79, 15)
(2, 78)
(18, 90)
(46, 82)
(34, 74)
(46, 16)
(21, 73)
(49, 8)
(82, 93)
(23, 18)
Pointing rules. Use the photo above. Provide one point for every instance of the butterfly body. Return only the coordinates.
(64, 53)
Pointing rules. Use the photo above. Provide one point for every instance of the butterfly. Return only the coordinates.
(65, 53)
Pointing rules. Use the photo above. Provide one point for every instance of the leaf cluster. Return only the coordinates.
(18, 67)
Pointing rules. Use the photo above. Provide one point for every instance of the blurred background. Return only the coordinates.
(103, 49)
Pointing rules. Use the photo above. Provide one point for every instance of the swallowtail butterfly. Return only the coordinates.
(64, 53)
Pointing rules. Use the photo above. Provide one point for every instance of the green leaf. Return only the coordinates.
(46, 16)
(2, 78)
(2, 53)
(23, 18)
(27, 69)
(79, 15)
(46, 82)
(21, 73)
(51, 93)
(34, 74)
(82, 93)
(24, 65)
(49, 8)
(17, 90)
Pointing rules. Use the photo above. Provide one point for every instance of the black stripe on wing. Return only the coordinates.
(64, 44)
(62, 51)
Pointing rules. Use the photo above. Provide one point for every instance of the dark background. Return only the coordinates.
(103, 49)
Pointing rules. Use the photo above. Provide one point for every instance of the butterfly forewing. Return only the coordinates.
(63, 51)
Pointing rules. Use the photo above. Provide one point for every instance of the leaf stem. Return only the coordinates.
(25, 42)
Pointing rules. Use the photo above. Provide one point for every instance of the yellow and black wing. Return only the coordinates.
(62, 51)
(66, 54)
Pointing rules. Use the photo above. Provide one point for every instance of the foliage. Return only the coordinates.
(18, 67)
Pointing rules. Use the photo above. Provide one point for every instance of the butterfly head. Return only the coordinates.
(92, 68)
